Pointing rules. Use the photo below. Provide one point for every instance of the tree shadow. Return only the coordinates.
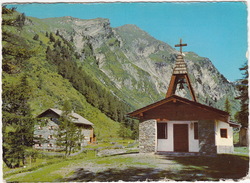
(223, 166)
(131, 174)
(192, 169)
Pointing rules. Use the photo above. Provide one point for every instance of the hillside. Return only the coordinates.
(25, 54)
(136, 67)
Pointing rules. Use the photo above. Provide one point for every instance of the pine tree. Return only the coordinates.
(242, 115)
(57, 32)
(15, 52)
(17, 122)
(20, 20)
(68, 134)
(124, 132)
(51, 37)
(227, 106)
(36, 37)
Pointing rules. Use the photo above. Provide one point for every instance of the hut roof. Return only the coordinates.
(76, 118)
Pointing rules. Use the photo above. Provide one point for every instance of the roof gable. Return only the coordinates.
(178, 108)
(76, 118)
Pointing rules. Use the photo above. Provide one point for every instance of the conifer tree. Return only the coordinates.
(227, 106)
(20, 20)
(17, 122)
(51, 37)
(242, 115)
(68, 134)
(36, 37)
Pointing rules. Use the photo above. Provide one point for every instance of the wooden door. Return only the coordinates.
(181, 137)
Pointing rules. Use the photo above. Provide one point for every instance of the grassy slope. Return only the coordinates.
(50, 90)
(117, 64)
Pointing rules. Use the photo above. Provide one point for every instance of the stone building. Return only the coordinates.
(46, 130)
(177, 124)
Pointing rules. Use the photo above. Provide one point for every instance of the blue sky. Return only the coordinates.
(216, 30)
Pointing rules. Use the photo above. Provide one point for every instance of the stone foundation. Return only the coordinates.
(207, 138)
(225, 149)
(147, 136)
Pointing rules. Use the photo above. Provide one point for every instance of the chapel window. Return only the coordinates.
(223, 133)
(162, 130)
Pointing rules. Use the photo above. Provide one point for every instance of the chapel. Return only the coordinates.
(178, 124)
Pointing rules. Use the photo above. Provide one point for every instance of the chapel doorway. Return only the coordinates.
(181, 137)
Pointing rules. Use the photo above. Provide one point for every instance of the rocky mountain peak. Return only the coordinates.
(140, 66)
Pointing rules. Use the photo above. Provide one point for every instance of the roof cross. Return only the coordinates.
(180, 45)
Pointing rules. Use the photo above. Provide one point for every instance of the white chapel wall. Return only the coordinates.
(168, 144)
(224, 145)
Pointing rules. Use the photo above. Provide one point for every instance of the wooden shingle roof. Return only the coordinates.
(180, 65)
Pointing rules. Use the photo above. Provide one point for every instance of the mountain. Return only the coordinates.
(105, 72)
(136, 67)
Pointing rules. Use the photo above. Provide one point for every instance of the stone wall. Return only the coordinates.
(206, 130)
(147, 136)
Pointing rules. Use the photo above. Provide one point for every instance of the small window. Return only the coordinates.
(50, 137)
(223, 133)
(162, 130)
(196, 132)
(54, 119)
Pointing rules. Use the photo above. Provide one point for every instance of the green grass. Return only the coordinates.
(236, 137)
(242, 150)
(48, 167)
(118, 161)
(46, 160)
(129, 168)
(106, 144)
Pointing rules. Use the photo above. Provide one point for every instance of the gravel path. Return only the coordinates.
(137, 167)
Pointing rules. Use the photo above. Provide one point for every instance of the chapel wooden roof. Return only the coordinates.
(179, 108)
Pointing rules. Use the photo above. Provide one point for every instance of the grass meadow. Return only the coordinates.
(87, 166)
